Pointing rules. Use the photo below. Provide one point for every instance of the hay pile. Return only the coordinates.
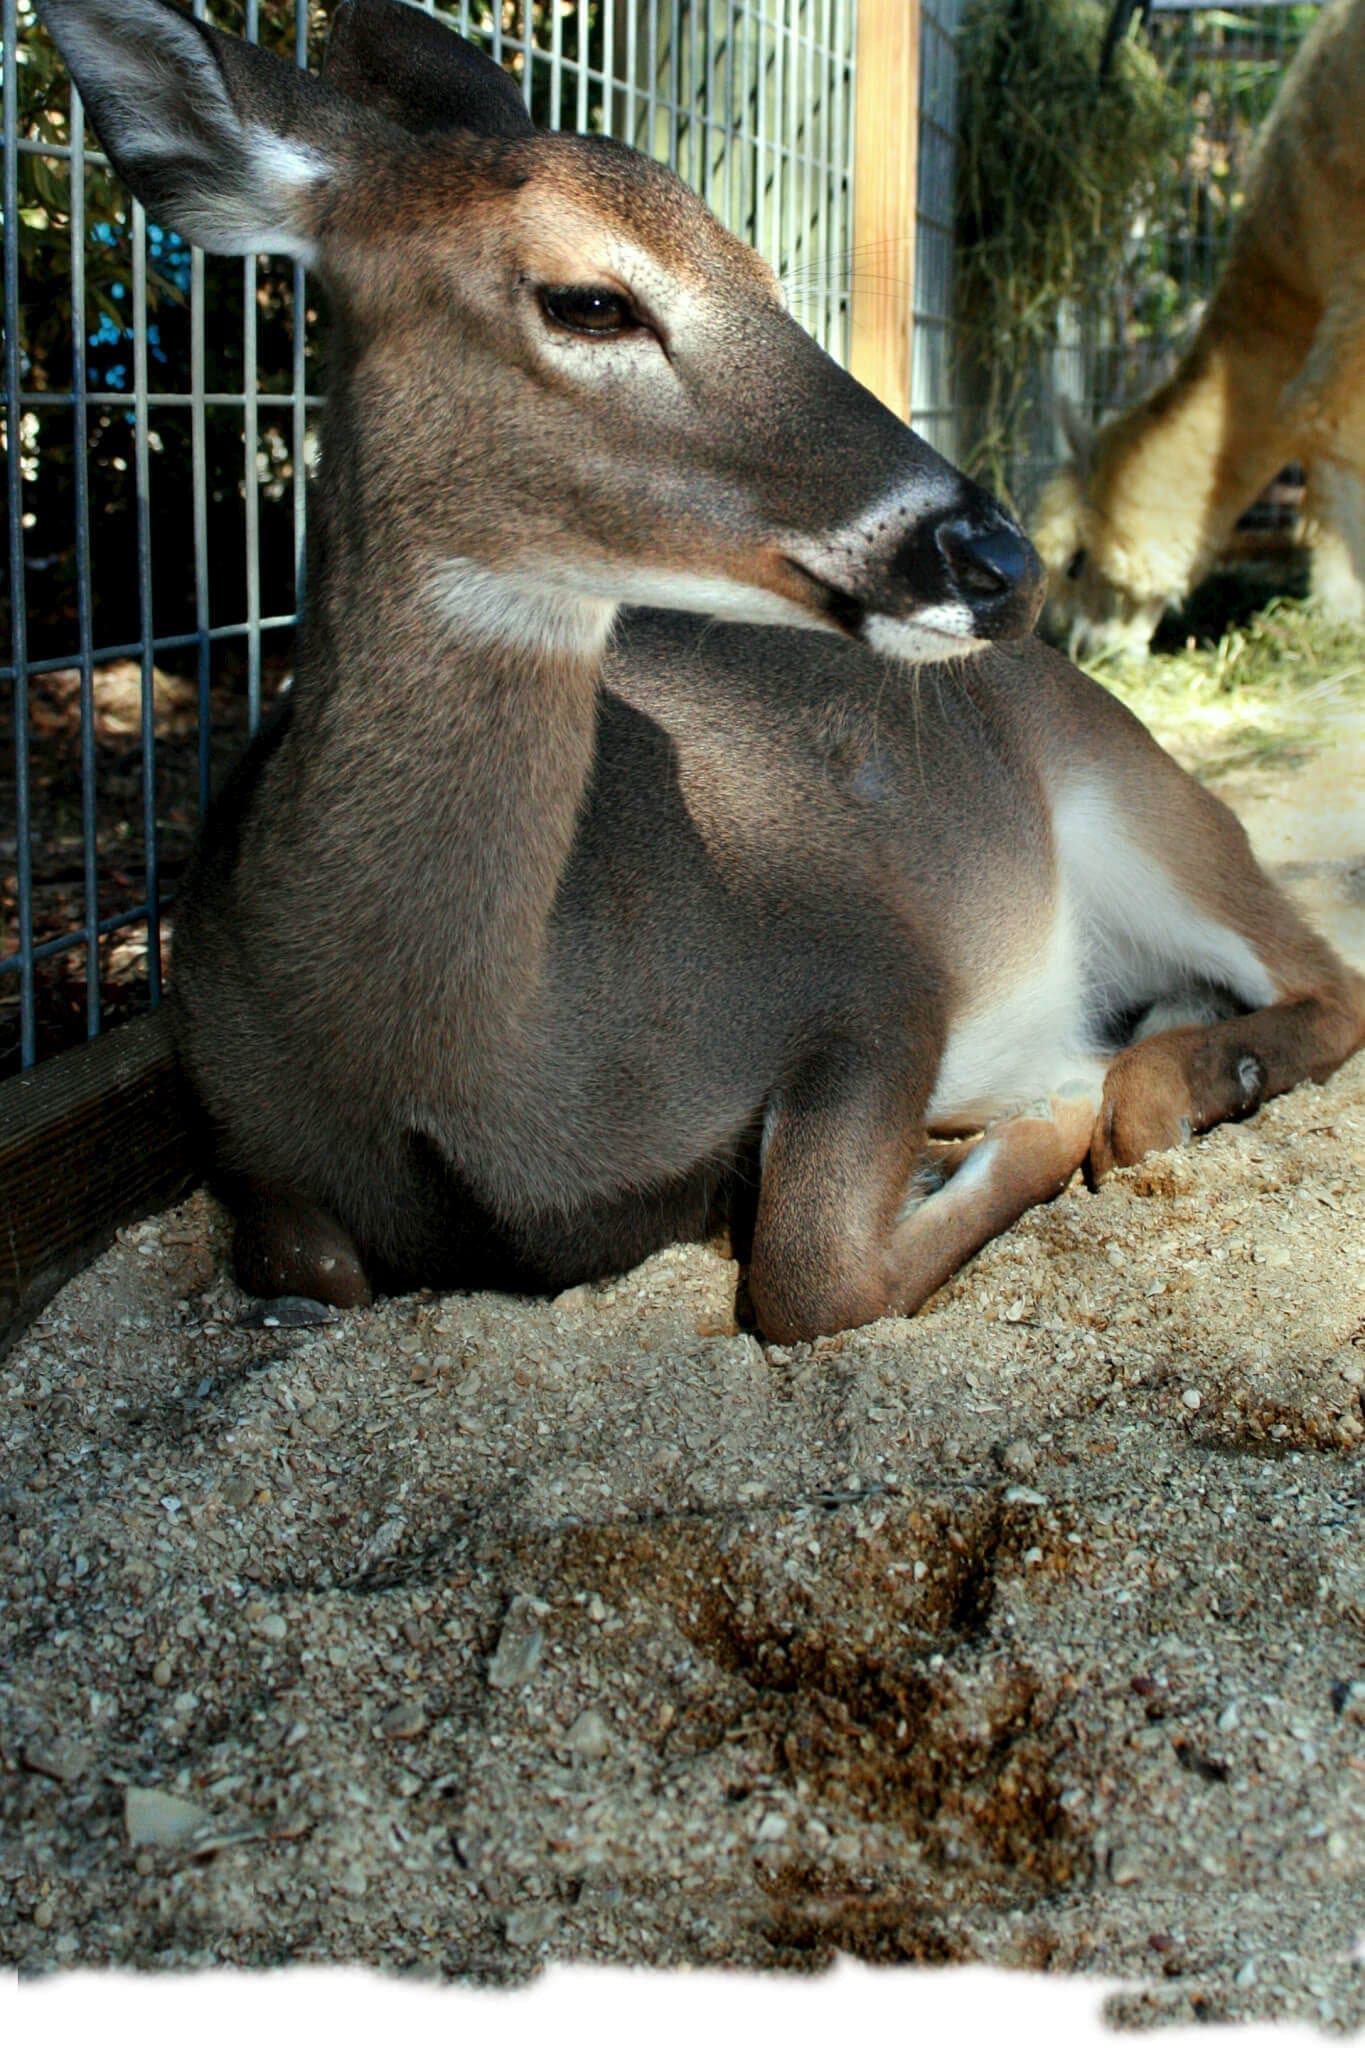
(1261, 698)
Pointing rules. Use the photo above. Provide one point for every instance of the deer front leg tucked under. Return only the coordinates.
(837, 1241)
(841, 1138)
(1159, 1092)
(1022, 1160)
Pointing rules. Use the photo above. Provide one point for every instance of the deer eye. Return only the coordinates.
(1075, 568)
(589, 309)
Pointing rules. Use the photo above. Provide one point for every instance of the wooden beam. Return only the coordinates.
(885, 179)
(89, 1141)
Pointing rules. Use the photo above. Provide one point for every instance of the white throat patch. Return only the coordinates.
(522, 611)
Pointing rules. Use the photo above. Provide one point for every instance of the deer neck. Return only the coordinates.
(1186, 463)
(466, 701)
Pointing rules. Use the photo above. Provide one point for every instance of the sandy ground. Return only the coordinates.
(469, 1632)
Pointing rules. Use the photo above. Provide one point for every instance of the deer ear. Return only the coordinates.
(398, 61)
(219, 140)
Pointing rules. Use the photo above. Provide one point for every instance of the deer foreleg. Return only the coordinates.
(841, 1139)
(839, 1241)
(1021, 1161)
(1159, 1092)
(284, 1245)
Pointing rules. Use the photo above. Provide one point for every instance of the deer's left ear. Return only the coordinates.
(220, 141)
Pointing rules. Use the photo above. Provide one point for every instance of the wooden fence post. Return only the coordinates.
(885, 171)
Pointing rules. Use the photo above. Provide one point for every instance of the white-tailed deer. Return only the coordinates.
(535, 934)
(1275, 373)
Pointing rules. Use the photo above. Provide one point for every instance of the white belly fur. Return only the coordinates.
(1122, 935)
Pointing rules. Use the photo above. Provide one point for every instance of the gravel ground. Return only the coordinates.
(469, 1632)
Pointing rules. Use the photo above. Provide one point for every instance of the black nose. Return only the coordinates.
(993, 569)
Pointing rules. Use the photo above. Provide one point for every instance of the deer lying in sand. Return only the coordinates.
(1275, 374)
(536, 934)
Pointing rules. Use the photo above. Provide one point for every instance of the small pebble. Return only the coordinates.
(1019, 1458)
(273, 1627)
(590, 1736)
(520, 1647)
(43, 1914)
(528, 1926)
(158, 1820)
(1192, 1398)
(162, 1671)
(772, 1827)
(1124, 1867)
(403, 1722)
(60, 1758)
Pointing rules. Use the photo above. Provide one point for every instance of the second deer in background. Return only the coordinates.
(1275, 373)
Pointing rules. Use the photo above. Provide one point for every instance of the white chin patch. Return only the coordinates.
(677, 590)
(937, 632)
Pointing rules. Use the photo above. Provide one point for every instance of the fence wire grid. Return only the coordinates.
(160, 407)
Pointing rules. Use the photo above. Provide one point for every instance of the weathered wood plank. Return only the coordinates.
(88, 1141)
(885, 175)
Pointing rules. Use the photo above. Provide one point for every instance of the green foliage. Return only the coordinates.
(1226, 68)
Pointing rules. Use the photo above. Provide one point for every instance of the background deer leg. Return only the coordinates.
(1325, 409)
(1022, 1160)
(1159, 1092)
(1336, 523)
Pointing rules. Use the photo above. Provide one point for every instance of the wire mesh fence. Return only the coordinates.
(159, 412)
(937, 409)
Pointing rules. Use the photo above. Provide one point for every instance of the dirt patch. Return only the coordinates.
(468, 1632)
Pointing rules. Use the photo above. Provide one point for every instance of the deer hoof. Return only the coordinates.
(287, 1247)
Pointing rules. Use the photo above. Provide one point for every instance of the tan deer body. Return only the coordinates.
(1274, 374)
(537, 933)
